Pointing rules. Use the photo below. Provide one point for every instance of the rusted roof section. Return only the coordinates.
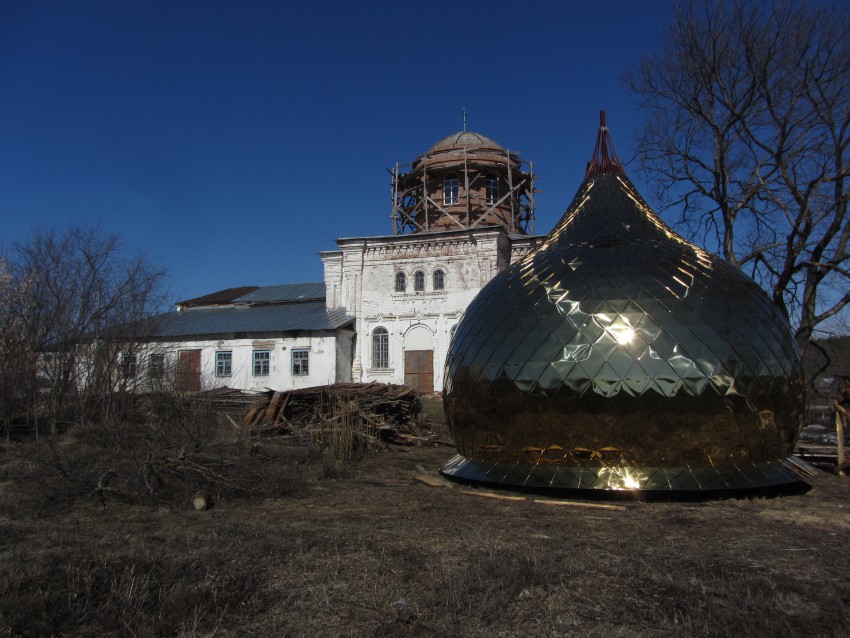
(226, 296)
(246, 319)
(284, 292)
(465, 139)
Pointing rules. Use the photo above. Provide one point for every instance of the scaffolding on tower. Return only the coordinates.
(463, 182)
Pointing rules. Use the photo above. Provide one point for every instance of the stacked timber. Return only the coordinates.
(374, 411)
(228, 399)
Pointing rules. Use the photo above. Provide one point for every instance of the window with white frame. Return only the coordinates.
(380, 348)
(262, 360)
(223, 363)
(491, 189)
(300, 362)
(156, 365)
(128, 365)
(419, 281)
(451, 185)
(439, 279)
(400, 282)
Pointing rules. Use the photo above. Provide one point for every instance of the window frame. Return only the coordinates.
(491, 189)
(419, 281)
(380, 348)
(451, 189)
(264, 363)
(156, 365)
(438, 279)
(223, 363)
(300, 360)
(129, 365)
(400, 284)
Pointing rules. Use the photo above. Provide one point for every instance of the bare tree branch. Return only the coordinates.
(748, 137)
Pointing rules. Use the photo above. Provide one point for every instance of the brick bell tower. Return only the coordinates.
(464, 181)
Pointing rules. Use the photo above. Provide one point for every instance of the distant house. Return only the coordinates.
(827, 365)
(249, 338)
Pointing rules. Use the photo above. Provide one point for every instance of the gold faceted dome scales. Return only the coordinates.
(619, 356)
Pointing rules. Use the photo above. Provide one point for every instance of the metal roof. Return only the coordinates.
(228, 295)
(284, 292)
(286, 317)
(466, 139)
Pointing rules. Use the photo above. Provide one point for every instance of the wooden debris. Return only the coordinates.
(840, 415)
(429, 480)
(376, 413)
(393, 482)
(501, 497)
(581, 504)
(541, 501)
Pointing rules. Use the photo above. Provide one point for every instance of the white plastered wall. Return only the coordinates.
(361, 278)
(324, 354)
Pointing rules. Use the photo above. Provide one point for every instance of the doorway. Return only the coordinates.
(189, 371)
(419, 370)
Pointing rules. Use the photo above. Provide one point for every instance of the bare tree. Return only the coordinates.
(747, 137)
(12, 349)
(78, 307)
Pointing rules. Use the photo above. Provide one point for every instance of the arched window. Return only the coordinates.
(400, 282)
(439, 279)
(491, 188)
(380, 348)
(419, 281)
(450, 189)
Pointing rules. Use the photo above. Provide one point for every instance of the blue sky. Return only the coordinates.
(232, 141)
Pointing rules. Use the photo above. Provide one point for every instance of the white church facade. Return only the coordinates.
(408, 293)
(386, 311)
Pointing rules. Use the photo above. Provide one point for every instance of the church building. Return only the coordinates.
(461, 213)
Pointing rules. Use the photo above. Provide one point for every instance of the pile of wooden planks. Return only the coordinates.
(378, 411)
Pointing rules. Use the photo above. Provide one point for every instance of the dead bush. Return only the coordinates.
(177, 448)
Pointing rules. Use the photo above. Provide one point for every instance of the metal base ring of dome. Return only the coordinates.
(746, 476)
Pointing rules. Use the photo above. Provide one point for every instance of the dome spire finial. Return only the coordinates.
(604, 157)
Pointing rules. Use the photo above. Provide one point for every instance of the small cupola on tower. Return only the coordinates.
(464, 181)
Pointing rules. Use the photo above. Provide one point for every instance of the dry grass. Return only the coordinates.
(379, 554)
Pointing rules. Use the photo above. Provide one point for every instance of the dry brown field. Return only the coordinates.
(370, 550)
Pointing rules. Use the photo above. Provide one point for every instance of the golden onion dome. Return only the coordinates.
(619, 356)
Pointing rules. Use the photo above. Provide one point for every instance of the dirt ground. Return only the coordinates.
(379, 553)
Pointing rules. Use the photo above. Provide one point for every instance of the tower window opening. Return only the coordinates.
(491, 189)
(451, 184)
(439, 279)
(419, 281)
(400, 282)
